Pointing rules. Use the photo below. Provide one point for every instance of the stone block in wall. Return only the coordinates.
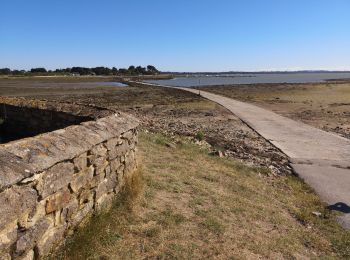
(85, 197)
(101, 189)
(115, 164)
(16, 202)
(113, 147)
(112, 143)
(50, 240)
(81, 214)
(130, 161)
(70, 210)
(82, 179)
(5, 256)
(28, 256)
(58, 201)
(118, 151)
(96, 180)
(108, 170)
(80, 162)
(12, 169)
(128, 135)
(99, 151)
(56, 178)
(8, 235)
(37, 214)
(101, 166)
(112, 182)
(30, 237)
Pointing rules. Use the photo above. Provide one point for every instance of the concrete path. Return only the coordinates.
(321, 158)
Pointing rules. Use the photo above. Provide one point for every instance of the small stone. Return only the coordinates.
(317, 214)
(170, 145)
(57, 201)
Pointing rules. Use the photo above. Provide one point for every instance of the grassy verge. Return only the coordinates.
(196, 206)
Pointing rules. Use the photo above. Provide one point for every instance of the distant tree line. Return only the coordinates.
(99, 71)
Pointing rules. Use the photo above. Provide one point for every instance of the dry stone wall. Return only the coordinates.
(50, 183)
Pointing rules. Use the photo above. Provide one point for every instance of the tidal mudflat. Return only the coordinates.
(323, 105)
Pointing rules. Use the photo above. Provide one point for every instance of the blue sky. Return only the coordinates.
(181, 35)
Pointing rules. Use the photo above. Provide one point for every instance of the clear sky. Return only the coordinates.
(176, 35)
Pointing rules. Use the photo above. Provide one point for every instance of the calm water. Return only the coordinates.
(251, 79)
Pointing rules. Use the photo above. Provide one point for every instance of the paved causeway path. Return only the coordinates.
(321, 158)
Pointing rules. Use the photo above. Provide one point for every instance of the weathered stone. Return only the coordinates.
(5, 256)
(101, 189)
(96, 161)
(48, 149)
(80, 162)
(82, 214)
(119, 150)
(81, 179)
(8, 236)
(70, 210)
(16, 202)
(112, 143)
(107, 170)
(86, 196)
(130, 162)
(112, 182)
(101, 166)
(120, 170)
(115, 164)
(52, 238)
(27, 256)
(96, 180)
(29, 238)
(57, 164)
(12, 169)
(56, 178)
(99, 150)
(128, 135)
(37, 214)
(57, 201)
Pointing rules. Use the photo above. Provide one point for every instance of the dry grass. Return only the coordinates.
(195, 206)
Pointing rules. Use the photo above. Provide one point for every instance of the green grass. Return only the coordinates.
(189, 205)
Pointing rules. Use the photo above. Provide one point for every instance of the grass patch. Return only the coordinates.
(203, 207)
